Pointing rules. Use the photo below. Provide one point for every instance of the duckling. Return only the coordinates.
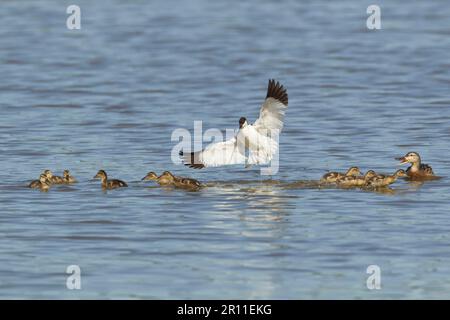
(42, 183)
(331, 177)
(380, 180)
(417, 168)
(187, 183)
(352, 181)
(53, 179)
(180, 182)
(150, 176)
(37, 183)
(68, 178)
(167, 178)
(164, 180)
(109, 184)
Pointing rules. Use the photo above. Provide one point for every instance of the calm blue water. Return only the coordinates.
(108, 96)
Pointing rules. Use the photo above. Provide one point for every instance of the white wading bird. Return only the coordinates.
(254, 143)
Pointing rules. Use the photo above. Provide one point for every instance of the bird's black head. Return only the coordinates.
(242, 120)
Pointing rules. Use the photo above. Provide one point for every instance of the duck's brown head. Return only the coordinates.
(242, 122)
(410, 157)
(353, 171)
(48, 174)
(66, 174)
(101, 174)
(400, 173)
(43, 178)
(150, 176)
(369, 174)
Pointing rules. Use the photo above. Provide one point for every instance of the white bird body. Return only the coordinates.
(259, 140)
(261, 147)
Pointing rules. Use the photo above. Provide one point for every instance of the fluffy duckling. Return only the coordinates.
(68, 178)
(37, 183)
(42, 183)
(187, 183)
(165, 179)
(380, 180)
(111, 183)
(331, 177)
(181, 182)
(53, 179)
(150, 176)
(417, 168)
(359, 181)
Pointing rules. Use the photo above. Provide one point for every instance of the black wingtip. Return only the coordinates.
(277, 91)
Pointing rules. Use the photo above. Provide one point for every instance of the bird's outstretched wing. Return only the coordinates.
(269, 124)
(271, 116)
(258, 138)
(216, 154)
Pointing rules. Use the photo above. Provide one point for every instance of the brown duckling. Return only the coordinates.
(165, 179)
(109, 183)
(359, 181)
(187, 183)
(417, 168)
(68, 179)
(381, 180)
(53, 179)
(331, 177)
(181, 182)
(42, 183)
(150, 176)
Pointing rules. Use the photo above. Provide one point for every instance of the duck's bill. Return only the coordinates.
(144, 178)
(96, 177)
(401, 159)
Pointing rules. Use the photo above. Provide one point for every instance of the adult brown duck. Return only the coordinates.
(417, 170)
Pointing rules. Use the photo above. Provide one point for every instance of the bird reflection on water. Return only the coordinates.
(262, 197)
